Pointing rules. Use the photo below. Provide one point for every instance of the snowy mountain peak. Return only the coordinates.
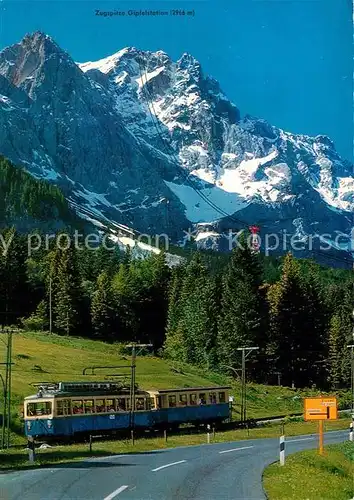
(126, 132)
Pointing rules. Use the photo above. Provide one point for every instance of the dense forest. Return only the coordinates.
(24, 197)
(298, 313)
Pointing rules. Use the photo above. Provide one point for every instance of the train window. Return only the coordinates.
(110, 405)
(212, 398)
(89, 406)
(60, 408)
(121, 404)
(193, 399)
(63, 407)
(77, 406)
(222, 397)
(171, 401)
(202, 399)
(183, 399)
(140, 403)
(152, 404)
(100, 406)
(39, 409)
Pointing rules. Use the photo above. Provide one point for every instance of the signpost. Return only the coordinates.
(320, 409)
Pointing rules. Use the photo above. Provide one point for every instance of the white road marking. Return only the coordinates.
(167, 465)
(237, 449)
(116, 492)
(108, 457)
(302, 439)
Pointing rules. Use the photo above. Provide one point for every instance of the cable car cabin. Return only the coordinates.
(194, 405)
(66, 409)
(70, 408)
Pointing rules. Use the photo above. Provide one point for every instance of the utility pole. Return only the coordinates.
(279, 377)
(133, 346)
(6, 416)
(50, 306)
(246, 351)
(351, 346)
(67, 322)
(9, 369)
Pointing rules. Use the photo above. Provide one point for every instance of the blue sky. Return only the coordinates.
(288, 61)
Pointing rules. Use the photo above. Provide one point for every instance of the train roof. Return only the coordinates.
(191, 389)
(72, 389)
(90, 389)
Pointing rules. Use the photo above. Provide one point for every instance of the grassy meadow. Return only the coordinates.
(309, 476)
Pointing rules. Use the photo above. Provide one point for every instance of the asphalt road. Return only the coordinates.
(223, 471)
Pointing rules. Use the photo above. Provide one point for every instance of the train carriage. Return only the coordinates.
(75, 408)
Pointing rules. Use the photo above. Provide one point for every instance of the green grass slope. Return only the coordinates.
(306, 475)
(40, 357)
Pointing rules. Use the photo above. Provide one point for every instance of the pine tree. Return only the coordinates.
(340, 299)
(66, 288)
(174, 343)
(192, 319)
(39, 319)
(298, 325)
(153, 299)
(336, 348)
(125, 293)
(316, 323)
(240, 323)
(14, 289)
(102, 310)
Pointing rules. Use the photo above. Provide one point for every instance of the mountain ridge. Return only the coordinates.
(156, 145)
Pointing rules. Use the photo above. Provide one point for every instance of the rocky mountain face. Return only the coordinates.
(154, 144)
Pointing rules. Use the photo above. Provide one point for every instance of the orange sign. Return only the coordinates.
(320, 408)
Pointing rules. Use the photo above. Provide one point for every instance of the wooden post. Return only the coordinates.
(31, 450)
(165, 435)
(208, 433)
(214, 432)
(132, 436)
(320, 435)
(282, 447)
(90, 443)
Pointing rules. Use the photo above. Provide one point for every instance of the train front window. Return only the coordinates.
(78, 406)
(89, 406)
(222, 397)
(38, 409)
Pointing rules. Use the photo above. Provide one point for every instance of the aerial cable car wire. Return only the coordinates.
(171, 152)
